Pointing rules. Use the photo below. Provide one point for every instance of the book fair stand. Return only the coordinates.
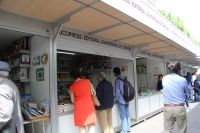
(43, 40)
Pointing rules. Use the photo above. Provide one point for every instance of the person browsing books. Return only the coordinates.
(84, 111)
(10, 109)
(123, 106)
(104, 93)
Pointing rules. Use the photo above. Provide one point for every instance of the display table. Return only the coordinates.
(41, 121)
(149, 105)
(66, 121)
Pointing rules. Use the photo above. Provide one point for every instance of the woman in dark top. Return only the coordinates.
(189, 81)
(197, 89)
(159, 83)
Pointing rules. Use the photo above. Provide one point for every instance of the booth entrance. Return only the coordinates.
(103, 28)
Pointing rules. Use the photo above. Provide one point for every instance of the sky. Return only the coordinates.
(187, 10)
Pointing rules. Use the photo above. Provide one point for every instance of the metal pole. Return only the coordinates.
(136, 89)
(43, 126)
(53, 83)
(32, 128)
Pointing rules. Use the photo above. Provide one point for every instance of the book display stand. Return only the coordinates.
(40, 120)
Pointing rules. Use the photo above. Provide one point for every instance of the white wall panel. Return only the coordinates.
(39, 89)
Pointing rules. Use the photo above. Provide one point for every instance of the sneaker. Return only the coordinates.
(192, 101)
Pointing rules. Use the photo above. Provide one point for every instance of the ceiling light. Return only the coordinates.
(61, 52)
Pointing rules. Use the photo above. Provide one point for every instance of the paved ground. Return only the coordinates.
(155, 123)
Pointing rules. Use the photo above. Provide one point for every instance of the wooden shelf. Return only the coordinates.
(25, 80)
(19, 53)
(65, 80)
(21, 66)
(21, 80)
(62, 72)
(4, 60)
(141, 72)
(106, 61)
(62, 91)
(101, 70)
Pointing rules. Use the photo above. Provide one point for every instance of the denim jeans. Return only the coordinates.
(191, 94)
(125, 117)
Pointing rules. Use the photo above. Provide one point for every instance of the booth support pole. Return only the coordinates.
(136, 89)
(53, 82)
(135, 52)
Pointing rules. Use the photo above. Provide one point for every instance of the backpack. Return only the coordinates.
(129, 91)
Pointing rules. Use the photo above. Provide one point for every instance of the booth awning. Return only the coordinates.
(132, 23)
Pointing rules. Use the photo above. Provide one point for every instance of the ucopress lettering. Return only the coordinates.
(70, 34)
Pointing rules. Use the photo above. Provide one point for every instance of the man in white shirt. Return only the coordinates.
(175, 94)
(10, 109)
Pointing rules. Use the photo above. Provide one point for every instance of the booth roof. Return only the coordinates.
(97, 18)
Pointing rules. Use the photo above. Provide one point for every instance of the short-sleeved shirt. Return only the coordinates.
(175, 89)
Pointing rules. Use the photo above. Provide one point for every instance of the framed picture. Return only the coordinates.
(44, 59)
(38, 60)
(40, 74)
(25, 59)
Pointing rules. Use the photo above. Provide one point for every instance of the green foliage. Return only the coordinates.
(179, 24)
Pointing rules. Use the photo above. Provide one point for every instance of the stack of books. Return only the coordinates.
(60, 109)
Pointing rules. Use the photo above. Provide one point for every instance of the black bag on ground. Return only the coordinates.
(129, 91)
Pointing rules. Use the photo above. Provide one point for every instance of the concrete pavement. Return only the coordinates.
(155, 123)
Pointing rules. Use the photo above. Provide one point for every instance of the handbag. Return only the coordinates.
(94, 97)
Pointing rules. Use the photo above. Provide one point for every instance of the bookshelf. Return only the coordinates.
(19, 62)
(88, 66)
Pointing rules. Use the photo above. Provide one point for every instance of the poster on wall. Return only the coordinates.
(40, 74)
(126, 76)
(40, 59)
(44, 59)
(124, 69)
(34, 61)
(156, 71)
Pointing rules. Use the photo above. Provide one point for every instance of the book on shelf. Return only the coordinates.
(32, 105)
(16, 61)
(26, 97)
(45, 106)
(25, 59)
(16, 75)
(23, 73)
(24, 43)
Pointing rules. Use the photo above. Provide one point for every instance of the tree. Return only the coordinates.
(179, 24)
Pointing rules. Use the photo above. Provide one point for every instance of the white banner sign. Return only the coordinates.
(140, 11)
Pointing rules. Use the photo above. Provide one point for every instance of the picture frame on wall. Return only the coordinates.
(25, 59)
(40, 74)
(38, 60)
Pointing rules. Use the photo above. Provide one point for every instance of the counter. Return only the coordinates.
(66, 119)
(148, 105)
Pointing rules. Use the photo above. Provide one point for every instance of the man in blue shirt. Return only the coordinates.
(175, 93)
(123, 106)
(104, 93)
